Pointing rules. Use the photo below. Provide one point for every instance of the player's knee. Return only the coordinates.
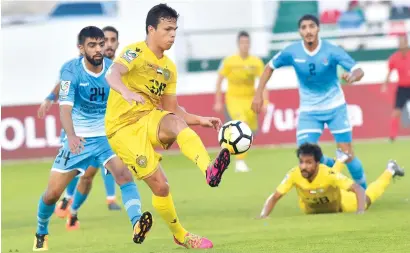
(123, 176)
(86, 181)
(161, 190)
(51, 196)
(170, 127)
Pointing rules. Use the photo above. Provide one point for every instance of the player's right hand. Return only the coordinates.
(44, 108)
(76, 144)
(132, 97)
(218, 107)
(257, 103)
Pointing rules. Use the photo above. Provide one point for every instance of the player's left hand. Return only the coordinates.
(210, 122)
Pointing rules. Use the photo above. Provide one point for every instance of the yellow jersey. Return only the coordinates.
(148, 76)
(241, 74)
(321, 195)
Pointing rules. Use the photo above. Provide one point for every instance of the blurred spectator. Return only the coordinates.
(353, 17)
(376, 13)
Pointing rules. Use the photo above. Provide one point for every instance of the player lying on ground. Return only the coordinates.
(325, 190)
(83, 99)
(241, 71)
(142, 78)
(322, 100)
(63, 207)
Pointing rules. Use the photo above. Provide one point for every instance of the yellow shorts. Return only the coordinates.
(239, 108)
(135, 144)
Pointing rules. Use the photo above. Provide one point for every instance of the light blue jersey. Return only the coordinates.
(322, 100)
(87, 93)
(317, 73)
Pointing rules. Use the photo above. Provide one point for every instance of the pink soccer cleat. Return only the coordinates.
(192, 241)
(215, 170)
(62, 208)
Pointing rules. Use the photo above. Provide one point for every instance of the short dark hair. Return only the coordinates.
(243, 34)
(310, 149)
(90, 32)
(157, 12)
(308, 17)
(111, 29)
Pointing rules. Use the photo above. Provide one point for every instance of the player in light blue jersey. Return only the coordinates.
(62, 208)
(322, 100)
(83, 99)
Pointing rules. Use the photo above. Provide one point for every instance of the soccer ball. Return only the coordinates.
(236, 136)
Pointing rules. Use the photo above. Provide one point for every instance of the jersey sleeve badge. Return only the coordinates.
(65, 87)
(129, 55)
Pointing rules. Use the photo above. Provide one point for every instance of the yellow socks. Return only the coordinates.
(192, 147)
(377, 188)
(165, 207)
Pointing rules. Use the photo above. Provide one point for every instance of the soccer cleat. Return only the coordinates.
(342, 156)
(113, 206)
(215, 170)
(72, 222)
(40, 243)
(241, 166)
(142, 227)
(394, 167)
(192, 241)
(62, 208)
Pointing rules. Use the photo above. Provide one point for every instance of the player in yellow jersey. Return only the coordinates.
(325, 190)
(142, 79)
(241, 71)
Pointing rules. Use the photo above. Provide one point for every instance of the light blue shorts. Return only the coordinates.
(97, 151)
(311, 125)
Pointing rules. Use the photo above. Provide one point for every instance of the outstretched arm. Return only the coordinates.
(259, 95)
(270, 203)
(360, 196)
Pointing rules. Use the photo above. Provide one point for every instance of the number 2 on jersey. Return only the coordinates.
(97, 92)
(312, 69)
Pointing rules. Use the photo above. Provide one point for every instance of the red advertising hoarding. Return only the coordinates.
(24, 136)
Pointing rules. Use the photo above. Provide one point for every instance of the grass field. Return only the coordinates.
(225, 214)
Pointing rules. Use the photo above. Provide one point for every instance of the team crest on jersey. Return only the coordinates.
(65, 87)
(325, 62)
(166, 74)
(142, 161)
(129, 55)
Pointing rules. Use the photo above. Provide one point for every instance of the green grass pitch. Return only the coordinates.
(225, 214)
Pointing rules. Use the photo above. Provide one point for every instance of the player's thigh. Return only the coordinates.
(132, 144)
(339, 125)
(309, 128)
(158, 182)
